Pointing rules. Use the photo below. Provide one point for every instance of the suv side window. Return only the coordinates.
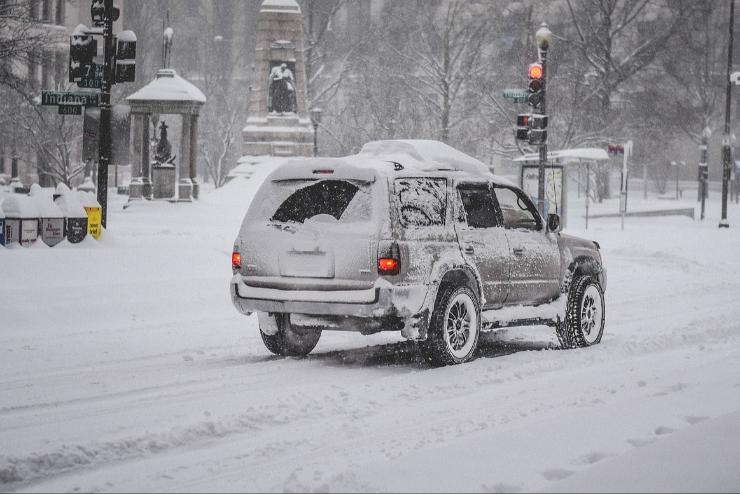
(421, 201)
(517, 210)
(478, 206)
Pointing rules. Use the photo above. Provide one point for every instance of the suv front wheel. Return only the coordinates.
(455, 327)
(290, 341)
(584, 314)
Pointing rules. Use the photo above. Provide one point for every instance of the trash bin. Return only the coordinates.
(94, 213)
(21, 220)
(2, 227)
(51, 216)
(75, 217)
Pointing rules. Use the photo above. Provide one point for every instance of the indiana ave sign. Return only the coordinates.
(55, 98)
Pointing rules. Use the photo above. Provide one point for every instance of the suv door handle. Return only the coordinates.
(518, 251)
(469, 249)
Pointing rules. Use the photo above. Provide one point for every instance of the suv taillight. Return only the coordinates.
(236, 261)
(389, 264)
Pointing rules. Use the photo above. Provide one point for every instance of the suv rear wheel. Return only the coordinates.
(290, 341)
(455, 327)
(584, 315)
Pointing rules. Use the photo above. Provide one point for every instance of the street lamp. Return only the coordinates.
(543, 36)
(315, 121)
(726, 142)
(703, 167)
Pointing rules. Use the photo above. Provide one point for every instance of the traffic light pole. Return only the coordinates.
(726, 144)
(543, 145)
(104, 145)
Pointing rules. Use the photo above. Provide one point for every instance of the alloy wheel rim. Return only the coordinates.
(461, 326)
(591, 314)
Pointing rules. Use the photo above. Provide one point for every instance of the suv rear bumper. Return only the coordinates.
(381, 300)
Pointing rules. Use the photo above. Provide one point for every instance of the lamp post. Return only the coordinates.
(315, 121)
(543, 36)
(704, 168)
(726, 144)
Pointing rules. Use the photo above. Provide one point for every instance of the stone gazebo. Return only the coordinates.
(156, 177)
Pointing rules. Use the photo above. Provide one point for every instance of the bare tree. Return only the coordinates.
(616, 39)
(22, 38)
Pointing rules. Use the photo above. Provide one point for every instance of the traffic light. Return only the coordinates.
(97, 12)
(536, 75)
(521, 132)
(538, 129)
(126, 57)
(82, 50)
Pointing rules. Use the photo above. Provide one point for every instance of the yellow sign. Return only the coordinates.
(94, 221)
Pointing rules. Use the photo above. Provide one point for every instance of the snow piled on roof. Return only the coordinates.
(566, 155)
(168, 86)
(20, 206)
(69, 203)
(43, 198)
(426, 155)
(280, 6)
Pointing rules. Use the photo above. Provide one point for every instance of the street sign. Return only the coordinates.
(55, 98)
(93, 79)
(70, 109)
(516, 95)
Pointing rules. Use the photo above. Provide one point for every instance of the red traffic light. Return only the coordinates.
(535, 71)
(522, 120)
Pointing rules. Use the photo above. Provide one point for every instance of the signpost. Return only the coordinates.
(93, 78)
(516, 95)
(56, 98)
(70, 109)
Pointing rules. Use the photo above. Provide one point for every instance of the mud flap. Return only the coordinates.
(267, 323)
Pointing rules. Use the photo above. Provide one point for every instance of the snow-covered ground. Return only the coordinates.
(124, 367)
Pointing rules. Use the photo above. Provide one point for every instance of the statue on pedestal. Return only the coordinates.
(163, 154)
(282, 89)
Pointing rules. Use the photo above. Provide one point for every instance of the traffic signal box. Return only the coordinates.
(126, 57)
(82, 51)
(531, 128)
(536, 76)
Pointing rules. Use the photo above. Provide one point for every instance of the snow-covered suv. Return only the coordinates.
(410, 236)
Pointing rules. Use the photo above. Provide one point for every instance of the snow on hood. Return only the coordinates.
(168, 86)
(45, 202)
(20, 206)
(88, 199)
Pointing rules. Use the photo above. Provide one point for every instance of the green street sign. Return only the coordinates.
(516, 95)
(70, 109)
(55, 98)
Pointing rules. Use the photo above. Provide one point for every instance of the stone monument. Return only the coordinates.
(278, 122)
(168, 94)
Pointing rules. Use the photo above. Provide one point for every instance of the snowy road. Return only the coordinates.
(125, 368)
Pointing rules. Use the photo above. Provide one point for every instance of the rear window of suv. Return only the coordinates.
(421, 201)
(341, 200)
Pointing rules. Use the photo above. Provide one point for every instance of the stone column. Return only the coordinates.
(194, 155)
(135, 187)
(185, 185)
(146, 173)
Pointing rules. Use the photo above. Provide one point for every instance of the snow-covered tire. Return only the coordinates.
(454, 328)
(584, 314)
(290, 341)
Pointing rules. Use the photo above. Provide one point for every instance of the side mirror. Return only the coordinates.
(553, 223)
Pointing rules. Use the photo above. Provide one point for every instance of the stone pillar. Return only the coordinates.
(185, 185)
(146, 173)
(135, 187)
(194, 155)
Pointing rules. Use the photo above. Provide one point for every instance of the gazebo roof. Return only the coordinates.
(290, 6)
(168, 90)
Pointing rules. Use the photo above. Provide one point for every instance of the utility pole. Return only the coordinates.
(543, 36)
(726, 144)
(104, 145)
